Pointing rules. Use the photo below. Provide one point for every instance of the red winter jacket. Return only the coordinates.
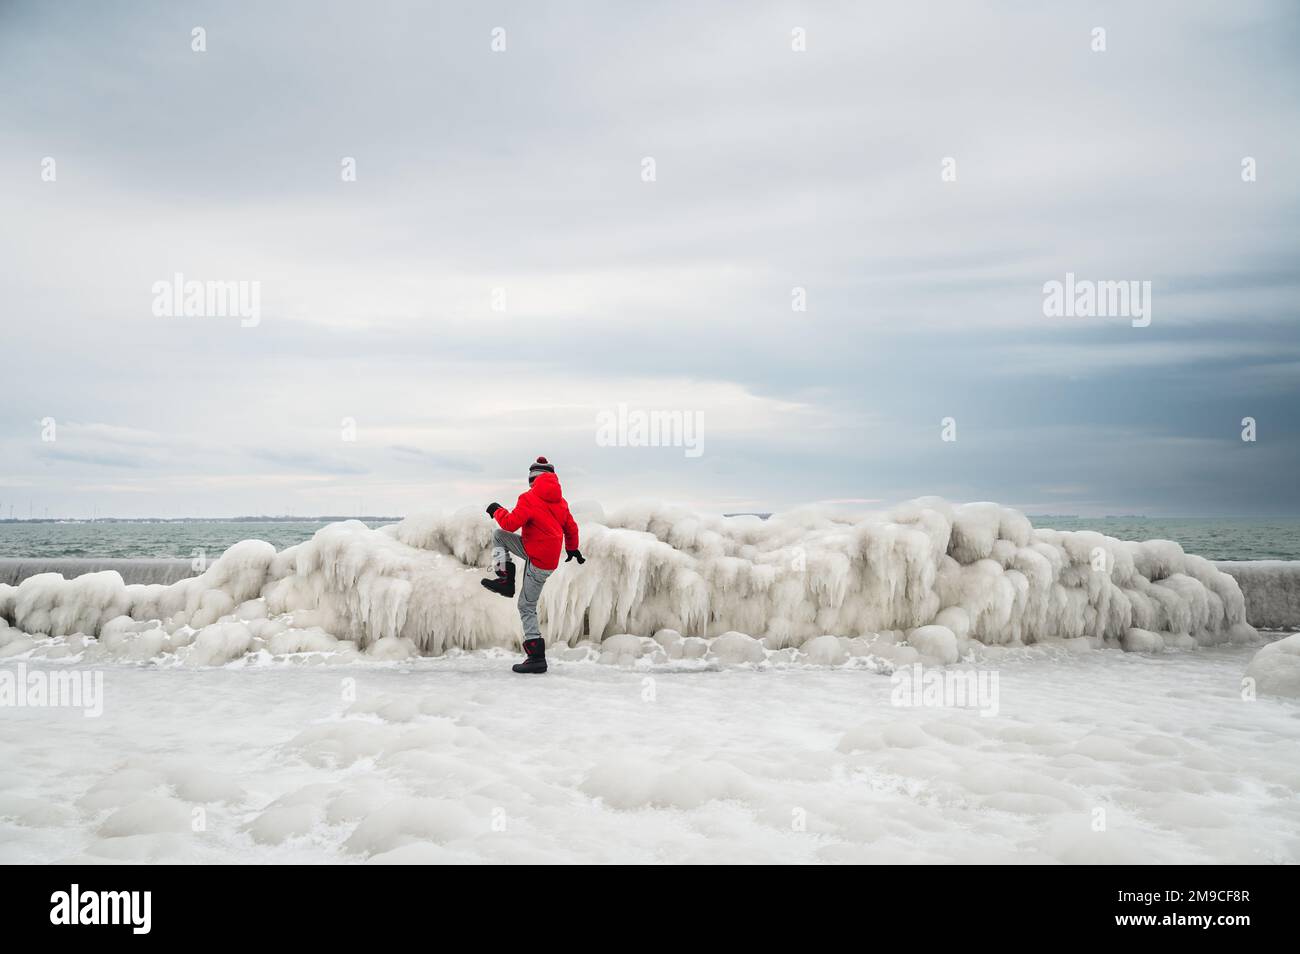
(546, 520)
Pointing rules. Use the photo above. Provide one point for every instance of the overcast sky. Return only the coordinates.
(522, 170)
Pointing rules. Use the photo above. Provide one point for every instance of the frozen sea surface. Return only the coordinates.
(1098, 756)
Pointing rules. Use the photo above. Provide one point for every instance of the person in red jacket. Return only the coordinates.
(547, 524)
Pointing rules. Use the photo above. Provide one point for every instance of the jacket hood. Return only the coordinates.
(547, 486)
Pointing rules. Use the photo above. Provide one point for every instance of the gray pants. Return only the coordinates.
(530, 581)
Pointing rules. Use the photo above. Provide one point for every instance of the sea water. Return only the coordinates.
(1215, 538)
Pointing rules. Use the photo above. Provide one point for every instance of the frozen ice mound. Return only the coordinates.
(927, 577)
(1276, 668)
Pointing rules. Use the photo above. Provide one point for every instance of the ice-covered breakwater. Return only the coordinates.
(928, 573)
(13, 570)
(1271, 589)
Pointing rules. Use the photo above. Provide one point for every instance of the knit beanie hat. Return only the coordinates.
(540, 466)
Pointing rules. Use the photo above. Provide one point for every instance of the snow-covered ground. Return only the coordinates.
(1094, 755)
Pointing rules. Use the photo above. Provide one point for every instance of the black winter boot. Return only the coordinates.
(536, 661)
(502, 583)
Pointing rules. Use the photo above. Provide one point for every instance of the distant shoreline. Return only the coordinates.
(326, 519)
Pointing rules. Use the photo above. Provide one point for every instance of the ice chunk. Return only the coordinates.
(621, 650)
(734, 648)
(825, 651)
(1142, 641)
(1276, 668)
(218, 644)
(937, 642)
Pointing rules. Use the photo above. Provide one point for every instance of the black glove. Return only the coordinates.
(493, 508)
(574, 554)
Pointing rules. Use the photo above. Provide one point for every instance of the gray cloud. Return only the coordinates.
(441, 461)
(307, 461)
(99, 458)
(521, 171)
